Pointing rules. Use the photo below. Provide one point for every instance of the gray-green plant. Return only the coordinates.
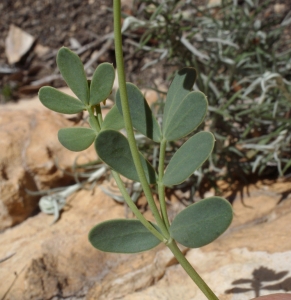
(242, 56)
(185, 109)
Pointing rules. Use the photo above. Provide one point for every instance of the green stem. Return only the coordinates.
(127, 118)
(191, 271)
(99, 113)
(134, 209)
(161, 187)
(93, 120)
(136, 158)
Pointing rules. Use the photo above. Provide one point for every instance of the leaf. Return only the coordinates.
(202, 222)
(113, 148)
(76, 138)
(113, 120)
(186, 116)
(71, 67)
(189, 158)
(140, 113)
(101, 83)
(181, 85)
(122, 236)
(59, 101)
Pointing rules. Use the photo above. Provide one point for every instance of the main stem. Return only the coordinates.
(127, 118)
(136, 158)
(205, 289)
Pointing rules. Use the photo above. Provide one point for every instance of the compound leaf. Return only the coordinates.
(59, 101)
(101, 83)
(202, 222)
(72, 70)
(122, 236)
(186, 116)
(113, 148)
(113, 120)
(181, 85)
(76, 138)
(140, 113)
(188, 158)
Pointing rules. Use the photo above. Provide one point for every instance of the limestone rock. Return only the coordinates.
(17, 43)
(39, 261)
(251, 259)
(56, 262)
(29, 157)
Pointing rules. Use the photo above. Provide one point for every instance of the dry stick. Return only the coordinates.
(94, 58)
(13, 282)
(106, 46)
(83, 48)
(46, 80)
(7, 257)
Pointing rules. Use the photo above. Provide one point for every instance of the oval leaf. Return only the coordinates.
(113, 120)
(101, 83)
(122, 236)
(140, 113)
(202, 222)
(186, 117)
(113, 148)
(76, 138)
(189, 158)
(59, 101)
(72, 70)
(181, 85)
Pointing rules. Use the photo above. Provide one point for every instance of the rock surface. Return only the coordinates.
(29, 154)
(39, 261)
(56, 262)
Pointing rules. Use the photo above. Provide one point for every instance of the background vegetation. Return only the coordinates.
(241, 50)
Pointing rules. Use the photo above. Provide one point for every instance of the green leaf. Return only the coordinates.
(189, 158)
(202, 222)
(181, 85)
(113, 120)
(140, 113)
(76, 138)
(59, 101)
(186, 116)
(113, 148)
(122, 236)
(71, 67)
(101, 83)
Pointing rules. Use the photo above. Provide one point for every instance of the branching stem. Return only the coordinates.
(162, 221)
(127, 119)
(161, 187)
(94, 120)
(134, 209)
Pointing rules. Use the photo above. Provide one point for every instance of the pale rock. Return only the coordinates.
(31, 157)
(54, 262)
(239, 274)
(58, 260)
(251, 259)
(213, 3)
(279, 8)
(17, 43)
(127, 3)
(41, 50)
(150, 95)
(222, 263)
